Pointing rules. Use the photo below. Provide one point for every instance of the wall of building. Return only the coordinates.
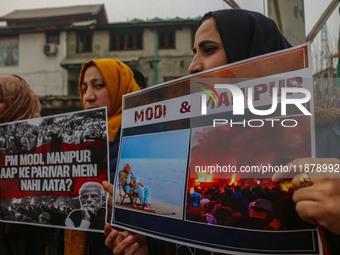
(42, 72)
(172, 63)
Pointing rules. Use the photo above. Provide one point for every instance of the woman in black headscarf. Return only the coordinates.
(247, 34)
(227, 36)
(223, 37)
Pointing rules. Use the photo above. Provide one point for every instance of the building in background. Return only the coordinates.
(48, 46)
(290, 19)
(160, 49)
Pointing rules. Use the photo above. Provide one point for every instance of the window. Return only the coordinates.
(9, 51)
(73, 88)
(166, 39)
(126, 40)
(84, 41)
(52, 37)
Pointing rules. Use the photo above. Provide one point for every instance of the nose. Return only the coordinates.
(89, 199)
(196, 65)
(89, 96)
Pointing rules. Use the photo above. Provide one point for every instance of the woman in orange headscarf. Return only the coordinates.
(102, 83)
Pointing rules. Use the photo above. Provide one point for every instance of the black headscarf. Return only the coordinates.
(246, 34)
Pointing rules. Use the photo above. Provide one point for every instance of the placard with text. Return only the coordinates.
(51, 170)
(198, 154)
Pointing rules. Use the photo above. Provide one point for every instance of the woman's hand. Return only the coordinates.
(122, 242)
(317, 202)
(125, 242)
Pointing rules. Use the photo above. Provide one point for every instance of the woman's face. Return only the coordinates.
(208, 48)
(94, 90)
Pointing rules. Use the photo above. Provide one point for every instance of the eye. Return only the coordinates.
(83, 88)
(100, 85)
(85, 197)
(209, 50)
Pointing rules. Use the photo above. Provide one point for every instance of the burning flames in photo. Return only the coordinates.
(285, 186)
(203, 177)
(233, 180)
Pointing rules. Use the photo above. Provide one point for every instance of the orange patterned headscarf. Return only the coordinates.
(119, 80)
(18, 98)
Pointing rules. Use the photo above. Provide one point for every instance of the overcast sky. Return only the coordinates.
(123, 10)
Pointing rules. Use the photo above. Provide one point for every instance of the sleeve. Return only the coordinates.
(69, 223)
(128, 179)
(332, 242)
(136, 178)
(156, 247)
(84, 224)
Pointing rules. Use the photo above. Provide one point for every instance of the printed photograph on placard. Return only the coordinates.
(152, 171)
(51, 170)
(230, 174)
